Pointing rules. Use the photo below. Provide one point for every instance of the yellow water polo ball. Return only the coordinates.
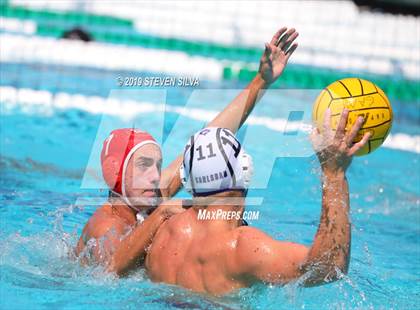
(361, 98)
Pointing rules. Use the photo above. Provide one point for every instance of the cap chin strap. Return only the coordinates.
(140, 214)
(129, 204)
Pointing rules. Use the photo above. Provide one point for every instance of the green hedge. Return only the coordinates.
(80, 18)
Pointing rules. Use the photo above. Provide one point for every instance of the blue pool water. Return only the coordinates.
(45, 191)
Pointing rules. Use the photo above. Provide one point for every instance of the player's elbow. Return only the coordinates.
(320, 274)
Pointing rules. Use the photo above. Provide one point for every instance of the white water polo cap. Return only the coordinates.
(214, 162)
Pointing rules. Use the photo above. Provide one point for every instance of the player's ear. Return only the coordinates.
(110, 171)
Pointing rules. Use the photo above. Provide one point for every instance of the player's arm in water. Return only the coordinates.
(266, 259)
(131, 250)
(117, 245)
(272, 64)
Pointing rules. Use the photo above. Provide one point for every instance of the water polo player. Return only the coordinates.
(235, 255)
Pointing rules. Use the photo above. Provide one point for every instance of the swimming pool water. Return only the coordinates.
(43, 164)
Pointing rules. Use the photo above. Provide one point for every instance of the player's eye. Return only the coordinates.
(144, 163)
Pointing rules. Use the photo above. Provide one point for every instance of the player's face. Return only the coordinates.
(143, 176)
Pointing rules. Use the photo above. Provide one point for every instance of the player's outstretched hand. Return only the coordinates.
(335, 149)
(277, 53)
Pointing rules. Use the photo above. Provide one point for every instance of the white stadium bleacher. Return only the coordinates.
(333, 34)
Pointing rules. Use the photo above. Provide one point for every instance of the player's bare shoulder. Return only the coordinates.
(237, 245)
(179, 224)
(102, 220)
(250, 244)
(249, 234)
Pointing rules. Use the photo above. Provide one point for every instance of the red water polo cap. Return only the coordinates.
(117, 151)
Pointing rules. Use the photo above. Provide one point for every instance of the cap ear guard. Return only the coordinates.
(247, 166)
(184, 179)
(110, 172)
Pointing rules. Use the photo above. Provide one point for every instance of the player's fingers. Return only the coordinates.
(341, 128)
(267, 51)
(357, 146)
(354, 130)
(290, 41)
(283, 39)
(358, 124)
(277, 35)
(291, 50)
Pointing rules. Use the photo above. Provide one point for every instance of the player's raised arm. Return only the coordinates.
(280, 262)
(272, 64)
(330, 252)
